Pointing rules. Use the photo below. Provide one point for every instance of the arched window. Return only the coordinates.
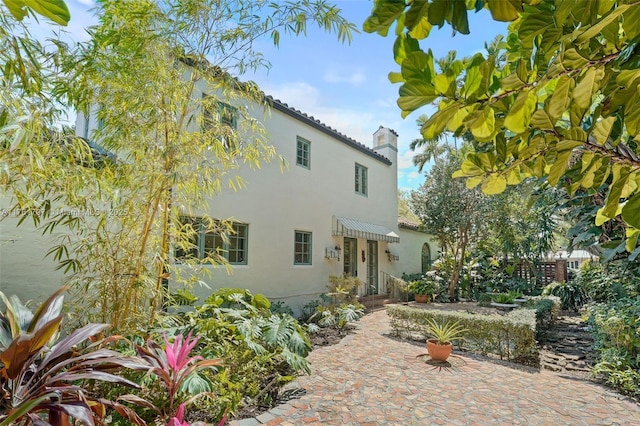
(426, 258)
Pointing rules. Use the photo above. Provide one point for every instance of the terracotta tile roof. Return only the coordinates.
(317, 124)
(403, 222)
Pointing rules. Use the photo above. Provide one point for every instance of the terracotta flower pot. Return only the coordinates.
(438, 352)
(422, 298)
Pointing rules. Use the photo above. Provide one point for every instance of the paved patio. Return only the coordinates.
(373, 379)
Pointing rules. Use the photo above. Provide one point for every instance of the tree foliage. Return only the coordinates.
(562, 104)
(454, 214)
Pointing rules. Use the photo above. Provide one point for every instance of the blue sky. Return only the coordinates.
(345, 86)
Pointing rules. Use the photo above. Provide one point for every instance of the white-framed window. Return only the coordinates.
(361, 179)
(302, 248)
(232, 246)
(303, 153)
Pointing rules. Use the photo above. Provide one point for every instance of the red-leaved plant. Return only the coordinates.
(172, 365)
(40, 376)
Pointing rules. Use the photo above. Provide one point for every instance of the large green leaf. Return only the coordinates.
(631, 211)
(483, 126)
(619, 180)
(592, 31)
(494, 184)
(17, 8)
(403, 47)
(533, 25)
(438, 11)
(519, 115)
(602, 129)
(383, 15)
(414, 94)
(473, 77)
(55, 10)
(418, 65)
(632, 115)
(436, 124)
(504, 10)
(418, 11)
(459, 19)
(559, 101)
(587, 86)
(559, 167)
(631, 23)
(541, 120)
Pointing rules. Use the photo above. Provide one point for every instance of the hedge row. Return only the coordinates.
(511, 336)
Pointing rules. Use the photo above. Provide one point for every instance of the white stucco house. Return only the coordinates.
(333, 211)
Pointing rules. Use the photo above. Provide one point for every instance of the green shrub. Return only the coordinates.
(546, 309)
(616, 338)
(510, 336)
(485, 299)
(571, 296)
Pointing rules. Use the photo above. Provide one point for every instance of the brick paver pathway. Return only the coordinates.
(372, 379)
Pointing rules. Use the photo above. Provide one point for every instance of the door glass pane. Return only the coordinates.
(350, 257)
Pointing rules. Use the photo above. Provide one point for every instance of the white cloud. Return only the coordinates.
(413, 175)
(355, 78)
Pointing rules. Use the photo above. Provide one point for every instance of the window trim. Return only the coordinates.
(224, 250)
(308, 244)
(300, 141)
(361, 180)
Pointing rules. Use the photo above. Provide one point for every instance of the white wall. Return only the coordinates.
(410, 251)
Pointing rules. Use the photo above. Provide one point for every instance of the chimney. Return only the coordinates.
(385, 142)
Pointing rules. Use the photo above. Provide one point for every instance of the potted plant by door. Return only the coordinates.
(422, 289)
(442, 335)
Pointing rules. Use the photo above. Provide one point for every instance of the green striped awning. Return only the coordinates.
(347, 227)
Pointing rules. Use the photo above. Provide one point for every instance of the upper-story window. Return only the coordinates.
(218, 112)
(303, 153)
(361, 179)
(232, 246)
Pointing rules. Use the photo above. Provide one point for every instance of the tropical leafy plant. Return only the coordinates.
(444, 332)
(505, 298)
(261, 350)
(571, 296)
(40, 374)
(343, 289)
(173, 367)
(423, 286)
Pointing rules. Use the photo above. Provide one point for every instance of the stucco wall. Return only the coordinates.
(24, 269)
(276, 203)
